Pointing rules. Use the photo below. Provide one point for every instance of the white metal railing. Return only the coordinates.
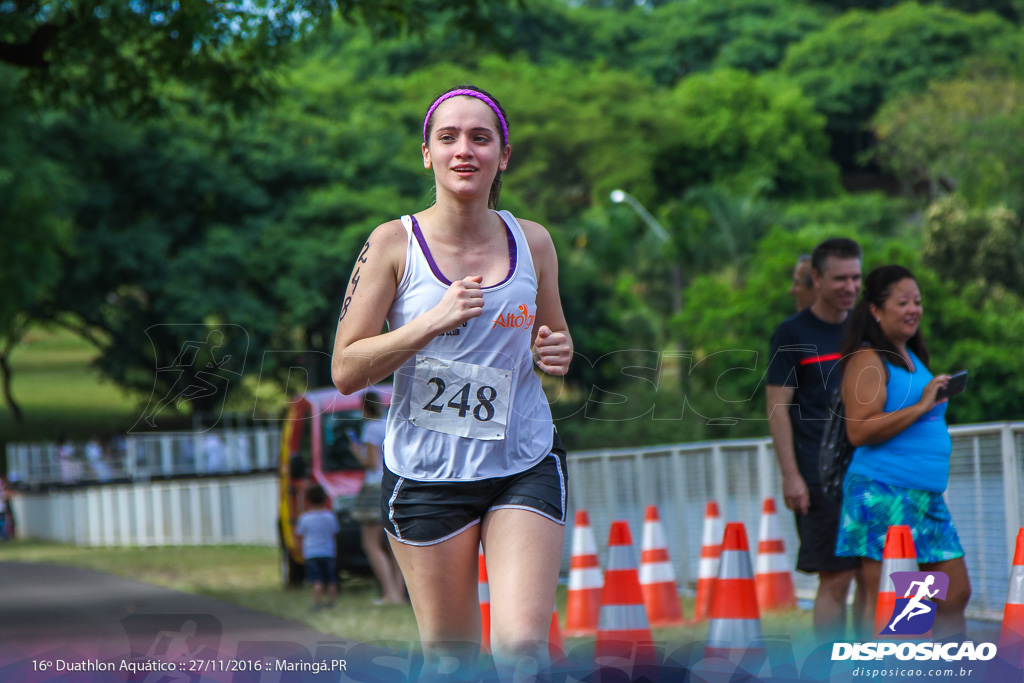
(984, 497)
(145, 456)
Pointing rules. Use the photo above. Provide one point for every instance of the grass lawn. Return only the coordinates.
(248, 576)
(59, 391)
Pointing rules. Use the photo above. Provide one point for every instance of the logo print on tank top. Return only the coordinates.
(519, 320)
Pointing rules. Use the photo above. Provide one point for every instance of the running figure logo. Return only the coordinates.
(200, 372)
(914, 613)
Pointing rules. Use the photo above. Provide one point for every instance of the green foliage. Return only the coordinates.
(1010, 9)
(973, 327)
(251, 223)
(965, 135)
(208, 212)
(983, 247)
(738, 130)
(870, 213)
(35, 217)
(681, 38)
(115, 54)
(59, 390)
(34, 191)
(862, 59)
(714, 228)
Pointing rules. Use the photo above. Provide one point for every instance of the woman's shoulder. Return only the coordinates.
(387, 243)
(865, 356)
(391, 233)
(537, 236)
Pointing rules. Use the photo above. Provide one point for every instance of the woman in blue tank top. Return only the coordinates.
(900, 466)
(471, 302)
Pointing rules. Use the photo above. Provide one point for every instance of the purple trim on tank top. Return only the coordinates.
(513, 253)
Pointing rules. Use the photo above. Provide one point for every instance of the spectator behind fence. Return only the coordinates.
(901, 465)
(66, 461)
(243, 458)
(804, 350)
(97, 460)
(216, 458)
(802, 290)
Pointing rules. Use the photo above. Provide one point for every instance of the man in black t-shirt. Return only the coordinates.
(802, 374)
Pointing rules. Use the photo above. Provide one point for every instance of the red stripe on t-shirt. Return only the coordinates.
(820, 359)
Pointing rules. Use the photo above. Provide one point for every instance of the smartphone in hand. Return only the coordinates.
(957, 385)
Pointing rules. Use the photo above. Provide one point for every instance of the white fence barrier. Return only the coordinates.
(984, 497)
(237, 510)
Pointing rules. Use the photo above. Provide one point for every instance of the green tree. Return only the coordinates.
(34, 196)
(862, 59)
(975, 246)
(681, 38)
(733, 129)
(113, 53)
(1009, 9)
(964, 135)
(252, 223)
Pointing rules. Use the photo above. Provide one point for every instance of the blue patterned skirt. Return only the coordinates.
(871, 507)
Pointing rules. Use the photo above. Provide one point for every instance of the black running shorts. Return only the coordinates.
(428, 512)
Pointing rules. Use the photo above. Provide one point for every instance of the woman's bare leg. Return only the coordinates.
(524, 552)
(442, 584)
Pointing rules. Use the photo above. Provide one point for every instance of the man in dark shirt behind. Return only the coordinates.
(802, 290)
(802, 375)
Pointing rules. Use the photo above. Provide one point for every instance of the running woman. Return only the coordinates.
(470, 297)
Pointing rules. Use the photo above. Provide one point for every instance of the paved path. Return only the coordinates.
(53, 612)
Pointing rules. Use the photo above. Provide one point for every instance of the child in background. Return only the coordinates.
(318, 527)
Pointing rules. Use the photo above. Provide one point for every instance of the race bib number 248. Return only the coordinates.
(461, 399)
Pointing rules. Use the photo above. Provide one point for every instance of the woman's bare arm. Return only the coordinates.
(552, 341)
(363, 355)
(864, 395)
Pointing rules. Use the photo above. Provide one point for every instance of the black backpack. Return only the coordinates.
(836, 450)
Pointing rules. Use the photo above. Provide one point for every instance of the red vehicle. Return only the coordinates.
(315, 450)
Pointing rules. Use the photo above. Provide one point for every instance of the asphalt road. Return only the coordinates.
(56, 619)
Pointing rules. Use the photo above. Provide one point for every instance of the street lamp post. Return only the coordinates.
(621, 197)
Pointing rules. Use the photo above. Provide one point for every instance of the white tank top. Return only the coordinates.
(469, 404)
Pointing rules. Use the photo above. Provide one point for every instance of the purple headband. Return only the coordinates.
(468, 93)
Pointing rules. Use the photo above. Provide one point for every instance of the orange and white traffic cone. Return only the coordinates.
(898, 555)
(657, 577)
(556, 647)
(735, 627)
(583, 607)
(1011, 639)
(484, 592)
(710, 554)
(623, 632)
(775, 590)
